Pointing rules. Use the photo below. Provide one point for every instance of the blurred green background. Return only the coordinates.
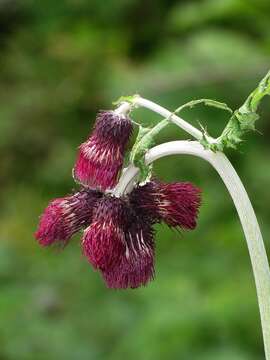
(63, 60)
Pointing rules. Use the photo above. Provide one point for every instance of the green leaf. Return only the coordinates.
(207, 102)
(145, 170)
(135, 149)
(145, 140)
(254, 99)
(243, 119)
(141, 133)
(141, 146)
(247, 120)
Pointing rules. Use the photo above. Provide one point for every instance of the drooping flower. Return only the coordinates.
(176, 204)
(104, 240)
(136, 264)
(65, 216)
(101, 157)
(118, 238)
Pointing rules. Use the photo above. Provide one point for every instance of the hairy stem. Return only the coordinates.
(244, 208)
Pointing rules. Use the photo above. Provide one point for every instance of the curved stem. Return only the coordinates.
(244, 208)
(139, 101)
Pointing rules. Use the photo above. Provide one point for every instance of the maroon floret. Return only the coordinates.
(104, 240)
(101, 157)
(65, 216)
(176, 204)
(136, 266)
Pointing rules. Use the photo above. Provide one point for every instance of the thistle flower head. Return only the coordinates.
(120, 244)
(101, 157)
(65, 216)
(176, 203)
(136, 263)
(118, 239)
(104, 240)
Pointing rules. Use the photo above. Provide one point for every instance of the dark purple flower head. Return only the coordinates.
(65, 216)
(120, 244)
(136, 263)
(104, 240)
(101, 157)
(176, 204)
